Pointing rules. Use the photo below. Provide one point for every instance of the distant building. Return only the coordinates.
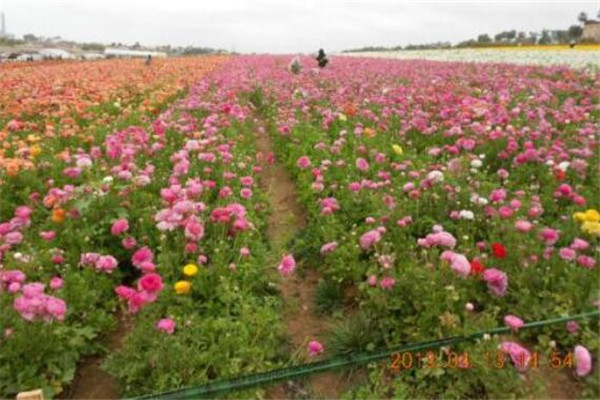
(591, 30)
(127, 53)
(3, 32)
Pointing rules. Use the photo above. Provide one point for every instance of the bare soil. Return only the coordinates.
(91, 382)
(298, 291)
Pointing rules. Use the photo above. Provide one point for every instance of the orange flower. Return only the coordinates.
(12, 168)
(369, 132)
(58, 215)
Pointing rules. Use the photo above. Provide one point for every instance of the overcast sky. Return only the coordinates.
(284, 26)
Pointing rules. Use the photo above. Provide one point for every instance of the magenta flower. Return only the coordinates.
(314, 348)
(151, 283)
(549, 235)
(567, 254)
(387, 283)
(497, 281)
(368, 239)
(303, 162)
(287, 265)
(141, 256)
(119, 226)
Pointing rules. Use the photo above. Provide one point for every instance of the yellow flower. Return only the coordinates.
(579, 216)
(190, 270)
(590, 227)
(369, 132)
(397, 149)
(592, 216)
(183, 287)
(342, 117)
(35, 150)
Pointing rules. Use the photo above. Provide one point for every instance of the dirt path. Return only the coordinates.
(298, 291)
(91, 382)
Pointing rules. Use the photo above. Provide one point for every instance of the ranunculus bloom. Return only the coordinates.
(369, 239)
(513, 322)
(519, 355)
(497, 281)
(314, 348)
(287, 265)
(119, 226)
(56, 283)
(567, 254)
(583, 360)
(141, 256)
(498, 250)
(151, 283)
(166, 325)
(328, 247)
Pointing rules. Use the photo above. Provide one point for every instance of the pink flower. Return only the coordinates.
(166, 325)
(56, 283)
(579, 244)
(303, 162)
(119, 226)
(362, 164)
(244, 252)
(458, 263)
(513, 322)
(129, 243)
(287, 265)
(246, 193)
(519, 355)
(314, 348)
(13, 237)
(124, 292)
(441, 238)
(586, 261)
(549, 235)
(107, 263)
(387, 283)
(497, 281)
(194, 230)
(572, 326)
(369, 238)
(583, 360)
(523, 226)
(47, 235)
(23, 212)
(141, 256)
(328, 247)
(151, 283)
(567, 254)
(372, 280)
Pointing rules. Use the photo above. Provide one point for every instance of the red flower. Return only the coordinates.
(560, 175)
(499, 250)
(477, 267)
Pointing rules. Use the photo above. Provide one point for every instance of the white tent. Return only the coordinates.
(56, 54)
(112, 52)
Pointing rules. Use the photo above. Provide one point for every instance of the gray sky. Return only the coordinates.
(284, 26)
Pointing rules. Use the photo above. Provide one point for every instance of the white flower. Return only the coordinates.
(564, 166)
(482, 201)
(108, 179)
(436, 176)
(466, 214)
(486, 336)
(476, 163)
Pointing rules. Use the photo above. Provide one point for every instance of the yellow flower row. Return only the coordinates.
(589, 220)
(185, 287)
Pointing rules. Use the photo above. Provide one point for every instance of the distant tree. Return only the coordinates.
(533, 37)
(510, 35)
(521, 37)
(545, 39)
(485, 38)
(137, 45)
(30, 37)
(575, 31)
(93, 47)
(582, 17)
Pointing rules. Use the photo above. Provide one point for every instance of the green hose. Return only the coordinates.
(288, 373)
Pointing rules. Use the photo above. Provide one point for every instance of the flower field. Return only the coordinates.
(583, 56)
(240, 218)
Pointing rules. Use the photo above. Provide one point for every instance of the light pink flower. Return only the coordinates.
(567, 254)
(513, 322)
(583, 360)
(328, 247)
(519, 355)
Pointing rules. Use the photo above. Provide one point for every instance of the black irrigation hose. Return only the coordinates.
(298, 371)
